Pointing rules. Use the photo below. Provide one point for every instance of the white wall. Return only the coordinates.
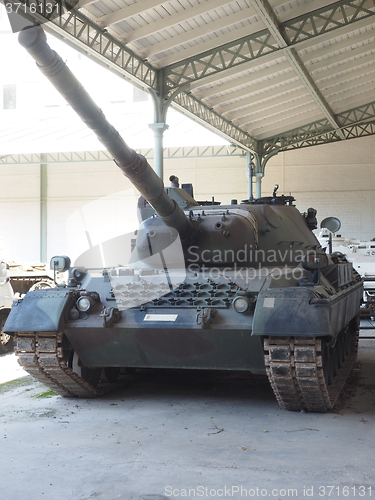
(337, 179)
(97, 200)
(20, 212)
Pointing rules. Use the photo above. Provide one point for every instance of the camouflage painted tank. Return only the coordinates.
(198, 286)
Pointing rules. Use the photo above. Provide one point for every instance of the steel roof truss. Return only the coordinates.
(356, 122)
(331, 17)
(298, 30)
(104, 156)
(226, 56)
(358, 114)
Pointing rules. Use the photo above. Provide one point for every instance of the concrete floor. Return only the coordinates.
(219, 435)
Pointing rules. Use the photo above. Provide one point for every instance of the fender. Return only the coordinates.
(282, 312)
(39, 311)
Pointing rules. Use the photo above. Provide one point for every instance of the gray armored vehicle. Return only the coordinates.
(198, 286)
(15, 280)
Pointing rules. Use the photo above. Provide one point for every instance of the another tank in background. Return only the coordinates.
(6, 299)
(25, 276)
(16, 279)
(360, 253)
(245, 286)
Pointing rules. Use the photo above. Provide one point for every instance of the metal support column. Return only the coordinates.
(249, 174)
(158, 129)
(258, 185)
(162, 98)
(43, 208)
(258, 173)
(260, 160)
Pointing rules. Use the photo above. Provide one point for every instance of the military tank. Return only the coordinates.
(244, 286)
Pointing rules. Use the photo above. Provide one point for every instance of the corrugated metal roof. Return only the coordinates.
(266, 74)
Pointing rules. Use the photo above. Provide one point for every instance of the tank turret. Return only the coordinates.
(257, 292)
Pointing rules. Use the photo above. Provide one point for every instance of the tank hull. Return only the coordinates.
(210, 334)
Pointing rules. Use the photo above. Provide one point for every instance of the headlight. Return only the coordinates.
(85, 303)
(241, 304)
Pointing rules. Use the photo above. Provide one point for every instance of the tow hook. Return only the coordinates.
(110, 316)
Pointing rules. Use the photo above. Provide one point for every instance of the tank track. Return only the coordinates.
(298, 369)
(42, 355)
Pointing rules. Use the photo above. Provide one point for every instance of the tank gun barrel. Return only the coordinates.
(133, 165)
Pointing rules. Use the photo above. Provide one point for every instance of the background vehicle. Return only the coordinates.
(16, 279)
(6, 299)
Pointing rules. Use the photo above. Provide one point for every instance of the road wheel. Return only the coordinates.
(90, 375)
(39, 285)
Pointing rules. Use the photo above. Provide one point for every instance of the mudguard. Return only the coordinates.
(39, 311)
(288, 312)
(299, 312)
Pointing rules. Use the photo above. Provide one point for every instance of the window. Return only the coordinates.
(139, 95)
(9, 97)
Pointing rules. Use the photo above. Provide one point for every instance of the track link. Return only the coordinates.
(297, 369)
(42, 356)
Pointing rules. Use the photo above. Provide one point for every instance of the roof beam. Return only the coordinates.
(348, 116)
(126, 12)
(251, 80)
(238, 108)
(246, 115)
(260, 111)
(203, 30)
(268, 17)
(302, 105)
(283, 126)
(298, 10)
(83, 3)
(179, 17)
